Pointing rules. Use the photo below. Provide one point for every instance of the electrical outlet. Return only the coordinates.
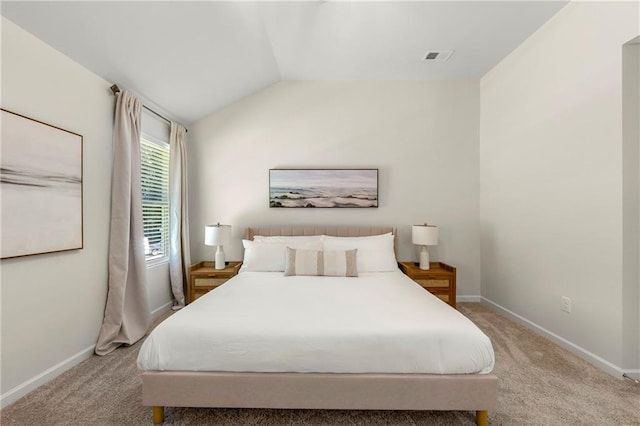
(566, 304)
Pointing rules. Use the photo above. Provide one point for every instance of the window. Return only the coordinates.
(154, 171)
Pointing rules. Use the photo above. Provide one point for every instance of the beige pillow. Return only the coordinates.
(331, 263)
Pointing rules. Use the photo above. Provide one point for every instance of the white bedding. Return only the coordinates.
(380, 322)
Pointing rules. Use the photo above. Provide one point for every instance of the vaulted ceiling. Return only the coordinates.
(192, 58)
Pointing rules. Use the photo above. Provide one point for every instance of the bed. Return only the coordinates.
(266, 340)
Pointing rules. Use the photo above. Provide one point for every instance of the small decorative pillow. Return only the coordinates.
(321, 262)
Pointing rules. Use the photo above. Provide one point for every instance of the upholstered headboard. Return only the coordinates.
(335, 231)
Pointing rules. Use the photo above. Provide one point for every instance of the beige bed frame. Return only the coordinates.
(472, 392)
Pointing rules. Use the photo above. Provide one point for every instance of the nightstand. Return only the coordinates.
(204, 277)
(439, 279)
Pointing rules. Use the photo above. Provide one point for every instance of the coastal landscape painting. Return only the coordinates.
(41, 183)
(325, 188)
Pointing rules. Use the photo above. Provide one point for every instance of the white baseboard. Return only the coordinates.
(590, 357)
(22, 389)
(474, 299)
(12, 395)
(162, 309)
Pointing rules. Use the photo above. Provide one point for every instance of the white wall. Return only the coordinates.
(422, 136)
(551, 179)
(53, 304)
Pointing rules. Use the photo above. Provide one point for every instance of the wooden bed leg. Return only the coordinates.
(158, 415)
(482, 418)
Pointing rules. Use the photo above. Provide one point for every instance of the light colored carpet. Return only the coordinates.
(539, 383)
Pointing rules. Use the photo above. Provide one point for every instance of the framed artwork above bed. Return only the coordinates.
(324, 188)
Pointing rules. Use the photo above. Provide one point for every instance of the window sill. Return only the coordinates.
(153, 262)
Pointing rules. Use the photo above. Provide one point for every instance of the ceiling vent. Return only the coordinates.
(438, 55)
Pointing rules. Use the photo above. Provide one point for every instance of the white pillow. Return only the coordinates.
(375, 253)
(297, 239)
(270, 256)
(263, 256)
(328, 263)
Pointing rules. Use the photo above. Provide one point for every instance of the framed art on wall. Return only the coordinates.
(326, 188)
(41, 180)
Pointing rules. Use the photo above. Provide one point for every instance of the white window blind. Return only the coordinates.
(154, 170)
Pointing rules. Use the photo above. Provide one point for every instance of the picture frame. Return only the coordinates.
(323, 188)
(41, 175)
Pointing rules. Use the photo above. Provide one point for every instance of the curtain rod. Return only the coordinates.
(115, 89)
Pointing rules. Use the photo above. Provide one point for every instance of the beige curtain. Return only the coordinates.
(179, 257)
(127, 315)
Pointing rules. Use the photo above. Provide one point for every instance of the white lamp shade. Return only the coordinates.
(217, 235)
(424, 235)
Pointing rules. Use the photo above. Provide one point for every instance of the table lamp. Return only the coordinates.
(424, 235)
(217, 235)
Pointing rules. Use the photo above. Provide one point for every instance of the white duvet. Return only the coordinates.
(380, 322)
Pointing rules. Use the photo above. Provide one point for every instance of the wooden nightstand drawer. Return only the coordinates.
(439, 279)
(203, 277)
(433, 283)
(201, 292)
(209, 282)
(197, 294)
(444, 297)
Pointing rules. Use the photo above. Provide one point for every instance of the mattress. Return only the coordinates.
(379, 322)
